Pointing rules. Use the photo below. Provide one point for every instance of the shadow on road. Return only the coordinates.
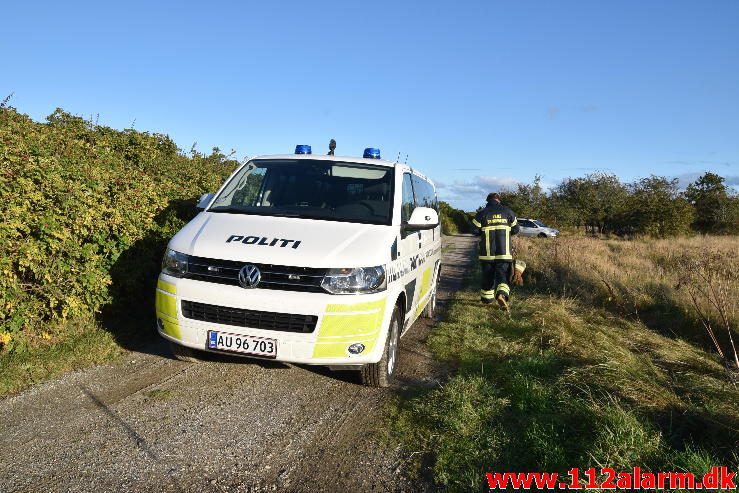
(133, 435)
(130, 316)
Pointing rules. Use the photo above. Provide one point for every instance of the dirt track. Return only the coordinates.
(151, 423)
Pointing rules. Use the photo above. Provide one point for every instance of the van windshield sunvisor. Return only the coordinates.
(310, 189)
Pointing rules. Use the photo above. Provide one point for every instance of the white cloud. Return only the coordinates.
(685, 179)
(498, 182)
(469, 194)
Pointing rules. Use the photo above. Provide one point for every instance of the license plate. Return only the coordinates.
(258, 346)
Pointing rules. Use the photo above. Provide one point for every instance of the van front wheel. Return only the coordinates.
(381, 374)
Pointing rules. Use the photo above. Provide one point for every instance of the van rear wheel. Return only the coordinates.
(382, 373)
(184, 353)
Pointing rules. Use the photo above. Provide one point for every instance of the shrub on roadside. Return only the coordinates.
(453, 221)
(75, 196)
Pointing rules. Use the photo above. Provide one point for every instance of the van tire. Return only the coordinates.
(184, 353)
(430, 309)
(382, 374)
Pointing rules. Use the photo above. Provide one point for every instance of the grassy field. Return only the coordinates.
(674, 286)
(603, 361)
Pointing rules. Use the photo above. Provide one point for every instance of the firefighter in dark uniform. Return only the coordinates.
(496, 224)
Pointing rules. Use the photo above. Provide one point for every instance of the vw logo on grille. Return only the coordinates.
(249, 276)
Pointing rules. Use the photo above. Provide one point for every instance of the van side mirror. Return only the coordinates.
(422, 218)
(204, 201)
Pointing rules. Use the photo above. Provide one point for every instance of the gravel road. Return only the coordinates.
(150, 423)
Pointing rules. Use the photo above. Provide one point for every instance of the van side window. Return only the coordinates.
(409, 203)
(425, 195)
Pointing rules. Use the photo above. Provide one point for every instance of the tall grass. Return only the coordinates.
(602, 362)
(682, 287)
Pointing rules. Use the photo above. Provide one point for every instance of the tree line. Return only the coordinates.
(600, 203)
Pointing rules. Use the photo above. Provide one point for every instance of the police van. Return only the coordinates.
(301, 258)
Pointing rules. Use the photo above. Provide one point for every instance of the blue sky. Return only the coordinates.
(478, 94)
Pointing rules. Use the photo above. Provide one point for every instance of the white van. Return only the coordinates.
(320, 260)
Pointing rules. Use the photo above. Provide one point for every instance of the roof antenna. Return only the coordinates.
(406, 159)
(331, 147)
(397, 159)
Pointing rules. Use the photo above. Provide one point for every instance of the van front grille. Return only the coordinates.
(282, 277)
(254, 319)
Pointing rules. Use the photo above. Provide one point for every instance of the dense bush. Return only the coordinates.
(655, 207)
(76, 197)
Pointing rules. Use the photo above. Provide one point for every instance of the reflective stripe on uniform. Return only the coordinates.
(486, 231)
(487, 240)
(515, 221)
(487, 295)
(503, 287)
(476, 223)
(496, 257)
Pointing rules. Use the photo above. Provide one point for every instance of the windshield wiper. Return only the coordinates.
(239, 210)
(224, 208)
(282, 214)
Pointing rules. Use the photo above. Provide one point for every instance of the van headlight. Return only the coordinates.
(358, 280)
(174, 263)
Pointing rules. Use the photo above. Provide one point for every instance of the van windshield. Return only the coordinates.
(311, 189)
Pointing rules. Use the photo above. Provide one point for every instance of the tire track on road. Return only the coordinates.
(357, 457)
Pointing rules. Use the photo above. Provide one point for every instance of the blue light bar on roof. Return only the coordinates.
(302, 149)
(371, 153)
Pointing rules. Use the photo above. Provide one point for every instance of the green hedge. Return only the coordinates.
(87, 210)
(453, 221)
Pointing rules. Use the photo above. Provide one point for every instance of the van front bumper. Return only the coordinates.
(343, 320)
